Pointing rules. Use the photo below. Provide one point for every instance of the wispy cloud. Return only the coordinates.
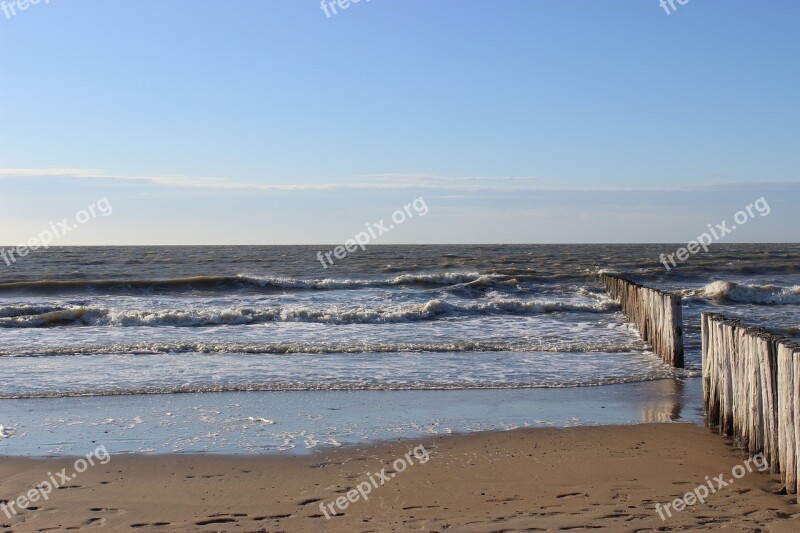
(387, 181)
(93, 174)
(430, 178)
(364, 182)
(33, 172)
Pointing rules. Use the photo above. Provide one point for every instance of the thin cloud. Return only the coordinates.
(364, 182)
(388, 181)
(58, 172)
(433, 178)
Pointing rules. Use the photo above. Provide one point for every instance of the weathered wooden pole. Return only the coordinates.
(751, 390)
(656, 314)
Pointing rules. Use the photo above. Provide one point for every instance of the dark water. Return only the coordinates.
(128, 320)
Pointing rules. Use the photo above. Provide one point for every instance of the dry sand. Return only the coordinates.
(524, 480)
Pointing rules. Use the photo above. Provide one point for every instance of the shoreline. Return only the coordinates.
(297, 423)
(543, 478)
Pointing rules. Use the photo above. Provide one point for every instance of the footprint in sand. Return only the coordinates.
(215, 521)
(272, 517)
(571, 495)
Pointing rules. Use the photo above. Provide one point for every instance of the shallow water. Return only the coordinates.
(82, 321)
(302, 422)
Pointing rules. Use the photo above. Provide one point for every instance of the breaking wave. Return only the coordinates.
(664, 373)
(752, 294)
(243, 282)
(430, 310)
(178, 347)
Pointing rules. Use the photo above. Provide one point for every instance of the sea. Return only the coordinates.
(241, 349)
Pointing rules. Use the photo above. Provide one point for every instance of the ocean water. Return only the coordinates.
(102, 321)
(130, 321)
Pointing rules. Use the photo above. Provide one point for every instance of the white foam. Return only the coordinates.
(754, 294)
(6, 432)
(432, 309)
(260, 420)
(441, 278)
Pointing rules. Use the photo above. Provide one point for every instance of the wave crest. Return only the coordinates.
(752, 294)
(430, 310)
(245, 282)
(222, 348)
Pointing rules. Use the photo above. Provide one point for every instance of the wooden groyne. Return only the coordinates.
(656, 314)
(751, 390)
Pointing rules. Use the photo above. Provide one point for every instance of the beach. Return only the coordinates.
(607, 478)
(427, 388)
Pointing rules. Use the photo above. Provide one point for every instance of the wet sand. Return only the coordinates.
(607, 477)
(305, 421)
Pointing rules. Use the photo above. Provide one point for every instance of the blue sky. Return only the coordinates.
(267, 122)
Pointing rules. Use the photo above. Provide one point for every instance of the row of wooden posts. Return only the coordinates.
(751, 377)
(751, 389)
(656, 314)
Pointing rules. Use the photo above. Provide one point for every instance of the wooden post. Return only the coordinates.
(751, 390)
(787, 442)
(656, 314)
(795, 386)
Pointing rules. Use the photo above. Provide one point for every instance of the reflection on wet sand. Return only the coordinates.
(668, 404)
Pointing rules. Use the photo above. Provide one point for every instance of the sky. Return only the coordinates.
(516, 121)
